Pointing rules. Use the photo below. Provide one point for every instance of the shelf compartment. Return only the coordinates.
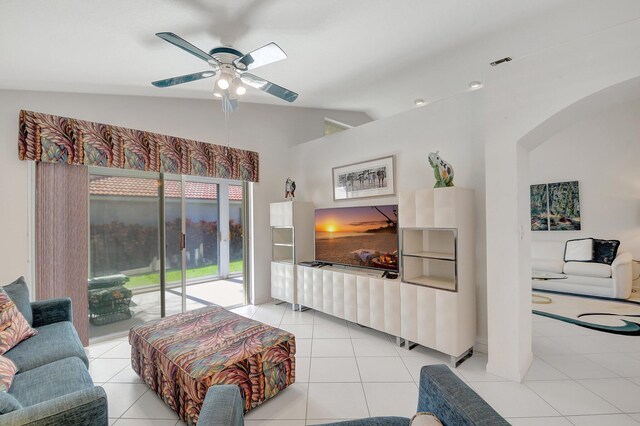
(282, 253)
(434, 282)
(436, 273)
(430, 240)
(282, 235)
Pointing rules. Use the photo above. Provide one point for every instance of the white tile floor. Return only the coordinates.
(578, 377)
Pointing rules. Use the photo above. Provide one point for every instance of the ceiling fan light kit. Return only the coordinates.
(231, 66)
(237, 87)
(223, 82)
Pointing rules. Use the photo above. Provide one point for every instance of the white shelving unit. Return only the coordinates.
(438, 283)
(292, 236)
(432, 305)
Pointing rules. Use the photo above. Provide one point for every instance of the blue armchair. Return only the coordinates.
(441, 393)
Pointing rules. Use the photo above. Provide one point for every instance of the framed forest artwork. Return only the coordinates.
(539, 207)
(555, 206)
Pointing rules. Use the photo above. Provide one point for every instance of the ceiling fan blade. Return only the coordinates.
(269, 87)
(262, 56)
(186, 46)
(183, 79)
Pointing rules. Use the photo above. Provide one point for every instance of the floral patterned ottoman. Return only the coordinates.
(181, 356)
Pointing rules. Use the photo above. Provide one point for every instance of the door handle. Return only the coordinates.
(183, 241)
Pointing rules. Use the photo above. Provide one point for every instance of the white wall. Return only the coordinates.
(602, 152)
(451, 126)
(269, 130)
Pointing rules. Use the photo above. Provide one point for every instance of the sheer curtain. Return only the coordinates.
(62, 238)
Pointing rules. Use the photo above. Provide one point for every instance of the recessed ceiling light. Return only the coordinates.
(475, 85)
(419, 102)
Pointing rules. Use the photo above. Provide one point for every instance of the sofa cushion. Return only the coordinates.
(588, 269)
(547, 265)
(13, 326)
(19, 293)
(576, 284)
(7, 370)
(8, 403)
(53, 342)
(579, 250)
(605, 251)
(51, 381)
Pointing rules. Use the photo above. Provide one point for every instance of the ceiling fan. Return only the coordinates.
(231, 66)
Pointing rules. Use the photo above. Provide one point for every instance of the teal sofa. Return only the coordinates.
(53, 385)
(441, 393)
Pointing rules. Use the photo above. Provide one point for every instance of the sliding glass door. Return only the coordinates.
(161, 245)
(211, 235)
(124, 252)
(173, 300)
(236, 231)
(202, 234)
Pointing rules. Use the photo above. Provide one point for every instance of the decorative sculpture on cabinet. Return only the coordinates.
(442, 171)
(289, 189)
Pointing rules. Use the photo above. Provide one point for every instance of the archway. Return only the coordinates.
(527, 100)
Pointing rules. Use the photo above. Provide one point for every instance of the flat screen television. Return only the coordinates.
(365, 237)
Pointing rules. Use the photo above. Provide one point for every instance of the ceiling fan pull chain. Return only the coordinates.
(226, 125)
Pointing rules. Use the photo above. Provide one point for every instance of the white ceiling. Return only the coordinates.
(375, 56)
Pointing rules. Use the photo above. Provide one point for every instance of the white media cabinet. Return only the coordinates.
(433, 304)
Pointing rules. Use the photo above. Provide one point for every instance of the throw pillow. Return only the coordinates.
(19, 293)
(14, 327)
(605, 251)
(580, 250)
(7, 370)
(425, 419)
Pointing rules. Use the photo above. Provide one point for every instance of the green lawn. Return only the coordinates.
(173, 276)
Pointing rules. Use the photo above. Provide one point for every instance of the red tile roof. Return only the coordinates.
(137, 187)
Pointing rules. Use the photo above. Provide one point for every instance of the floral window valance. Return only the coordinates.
(53, 139)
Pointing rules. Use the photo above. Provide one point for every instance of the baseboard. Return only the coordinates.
(481, 346)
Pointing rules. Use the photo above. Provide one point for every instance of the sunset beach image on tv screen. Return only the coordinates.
(358, 236)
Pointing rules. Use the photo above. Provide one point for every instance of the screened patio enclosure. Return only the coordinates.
(161, 245)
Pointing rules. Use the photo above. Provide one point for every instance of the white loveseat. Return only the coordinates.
(589, 278)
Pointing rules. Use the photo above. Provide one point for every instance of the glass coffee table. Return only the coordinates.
(543, 275)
